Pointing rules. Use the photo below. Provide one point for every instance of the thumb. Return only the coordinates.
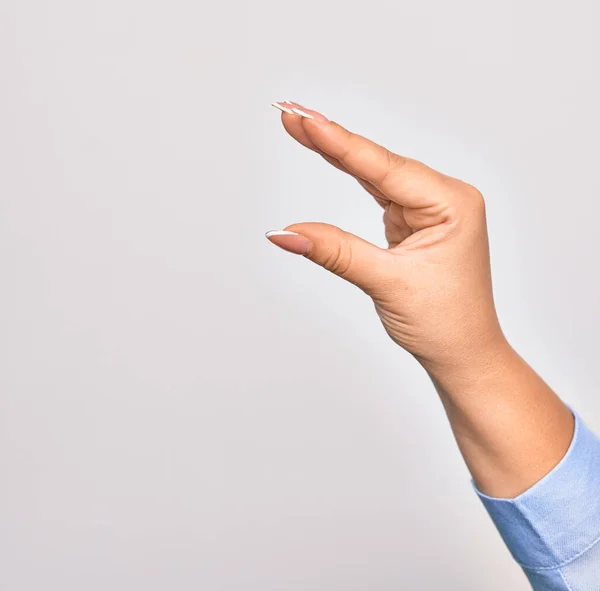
(342, 253)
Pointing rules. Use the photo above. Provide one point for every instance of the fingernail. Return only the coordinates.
(308, 113)
(290, 241)
(282, 108)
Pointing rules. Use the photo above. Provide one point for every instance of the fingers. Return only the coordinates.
(396, 226)
(342, 253)
(292, 122)
(399, 179)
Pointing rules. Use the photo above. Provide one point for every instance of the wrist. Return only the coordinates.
(510, 426)
(472, 363)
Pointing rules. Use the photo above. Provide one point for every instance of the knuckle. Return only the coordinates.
(339, 259)
(476, 198)
(393, 164)
(469, 197)
(395, 161)
(353, 151)
(350, 147)
(473, 192)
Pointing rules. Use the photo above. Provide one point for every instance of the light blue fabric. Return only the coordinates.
(553, 529)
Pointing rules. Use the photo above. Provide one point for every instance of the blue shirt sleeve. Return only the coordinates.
(553, 529)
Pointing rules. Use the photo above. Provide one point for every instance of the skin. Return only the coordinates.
(432, 290)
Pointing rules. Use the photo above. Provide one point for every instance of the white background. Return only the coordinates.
(185, 407)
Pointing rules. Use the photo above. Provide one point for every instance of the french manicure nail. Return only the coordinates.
(282, 108)
(303, 113)
(290, 241)
(309, 113)
(280, 233)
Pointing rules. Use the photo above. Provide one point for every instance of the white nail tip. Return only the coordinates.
(280, 233)
(303, 113)
(282, 108)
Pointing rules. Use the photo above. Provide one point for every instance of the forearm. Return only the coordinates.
(511, 428)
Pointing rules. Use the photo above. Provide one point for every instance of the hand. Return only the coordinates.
(432, 285)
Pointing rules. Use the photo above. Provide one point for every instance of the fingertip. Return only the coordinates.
(310, 114)
(290, 241)
(301, 110)
(283, 108)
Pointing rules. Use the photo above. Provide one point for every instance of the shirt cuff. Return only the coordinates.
(558, 518)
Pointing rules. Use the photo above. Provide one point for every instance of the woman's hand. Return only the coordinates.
(432, 286)
(432, 290)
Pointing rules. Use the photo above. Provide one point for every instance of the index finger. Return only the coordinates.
(407, 182)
